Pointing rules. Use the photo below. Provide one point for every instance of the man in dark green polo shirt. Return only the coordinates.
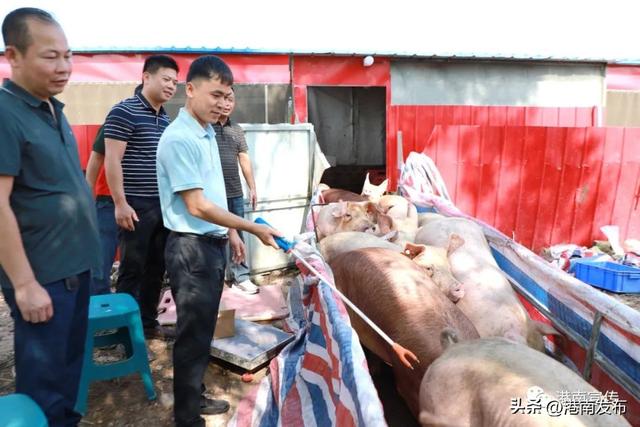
(48, 224)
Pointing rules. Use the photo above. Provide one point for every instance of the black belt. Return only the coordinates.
(103, 198)
(218, 239)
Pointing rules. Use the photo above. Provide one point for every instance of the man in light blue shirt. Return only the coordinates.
(193, 162)
(194, 208)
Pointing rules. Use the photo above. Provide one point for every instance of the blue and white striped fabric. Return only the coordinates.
(321, 378)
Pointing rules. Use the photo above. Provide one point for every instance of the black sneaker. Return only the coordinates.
(213, 406)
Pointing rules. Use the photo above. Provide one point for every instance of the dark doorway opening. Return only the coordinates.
(350, 124)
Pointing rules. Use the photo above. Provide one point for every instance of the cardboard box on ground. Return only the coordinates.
(225, 326)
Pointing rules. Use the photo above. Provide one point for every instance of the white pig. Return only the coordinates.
(404, 215)
(435, 262)
(345, 216)
(489, 302)
(478, 383)
(339, 243)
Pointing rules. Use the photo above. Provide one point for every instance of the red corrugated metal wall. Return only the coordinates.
(127, 67)
(546, 185)
(417, 122)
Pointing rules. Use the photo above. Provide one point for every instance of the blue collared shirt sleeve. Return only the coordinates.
(179, 159)
(10, 145)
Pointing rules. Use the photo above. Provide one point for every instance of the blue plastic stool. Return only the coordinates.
(19, 410)
(118, 312)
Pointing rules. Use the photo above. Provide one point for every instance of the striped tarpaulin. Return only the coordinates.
(321, 378)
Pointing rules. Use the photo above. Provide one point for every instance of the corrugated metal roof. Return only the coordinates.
(358, 52)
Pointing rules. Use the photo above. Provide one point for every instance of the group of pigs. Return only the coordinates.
(431, 283)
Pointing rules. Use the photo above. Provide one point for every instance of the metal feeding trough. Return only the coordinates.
(252, 346)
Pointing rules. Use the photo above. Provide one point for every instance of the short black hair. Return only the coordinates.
(15, 27)
(154, 62)
(210, 67)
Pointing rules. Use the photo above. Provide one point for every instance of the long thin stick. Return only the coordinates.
(404, 355)
(344, 298)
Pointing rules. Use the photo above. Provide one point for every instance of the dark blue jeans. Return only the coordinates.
(195, 265)
(142, 258)
(236, 272)
(101, 280)
(48, 356)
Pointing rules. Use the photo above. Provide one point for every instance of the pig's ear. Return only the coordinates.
(374, 208)
(340, 210)
(544, 329)
(384, 186)
(412, 250)
(382, 209)
(385, 224)
(455, 241)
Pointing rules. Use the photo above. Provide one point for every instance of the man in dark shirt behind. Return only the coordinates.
(233, 152)
(105, 209)
(48, 225)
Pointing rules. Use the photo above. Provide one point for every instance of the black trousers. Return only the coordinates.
(142, 258)
(195, 265)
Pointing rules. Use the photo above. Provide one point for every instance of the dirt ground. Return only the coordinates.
(122, 402)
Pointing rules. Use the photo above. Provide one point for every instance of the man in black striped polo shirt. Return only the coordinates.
(132, 131)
